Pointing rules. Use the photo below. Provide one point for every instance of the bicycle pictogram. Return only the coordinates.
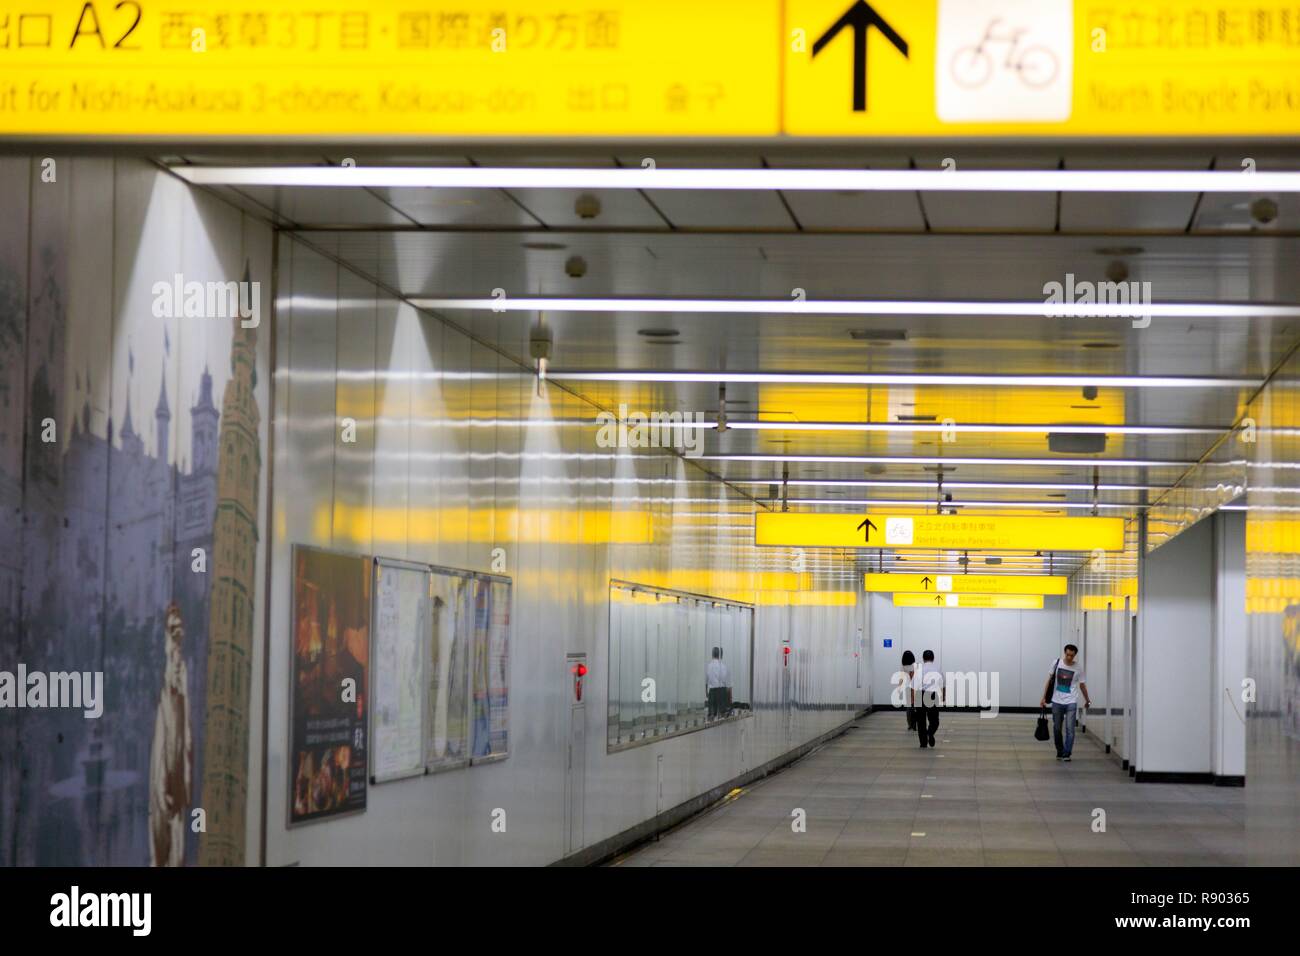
(972, 66)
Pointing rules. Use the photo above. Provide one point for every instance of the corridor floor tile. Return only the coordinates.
(995, 797)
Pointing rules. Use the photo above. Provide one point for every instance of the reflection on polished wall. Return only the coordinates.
(1255, 467)
(1272, 611)
(459, 460)
(662, 645)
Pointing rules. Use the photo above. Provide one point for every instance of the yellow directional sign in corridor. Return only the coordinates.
(938, 532)
(1014, 602)
(650, 68)
(967, 583)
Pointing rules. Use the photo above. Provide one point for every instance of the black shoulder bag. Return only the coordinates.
(1040, 731)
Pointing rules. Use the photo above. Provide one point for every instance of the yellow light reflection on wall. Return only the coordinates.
(552, 525)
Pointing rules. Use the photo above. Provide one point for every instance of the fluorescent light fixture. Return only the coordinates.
(1029, 429)
(1281, 509)
(904, 460)
(821, 180)
(924, 503)
(885, 307)
(949, 485)
(908, 378)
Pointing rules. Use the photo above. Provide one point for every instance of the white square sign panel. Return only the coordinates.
(943, 582)
(1004, 61)
(898, 531)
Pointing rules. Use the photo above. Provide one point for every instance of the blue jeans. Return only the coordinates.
(1066, 711)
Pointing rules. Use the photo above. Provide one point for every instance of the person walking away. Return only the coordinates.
(930, 693)
(1062, 688)
(909, 668)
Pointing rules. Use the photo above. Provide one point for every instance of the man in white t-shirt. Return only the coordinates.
(928, 694)
(717, 680)
(1062, 688)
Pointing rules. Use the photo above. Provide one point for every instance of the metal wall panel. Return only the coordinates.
(470, 477)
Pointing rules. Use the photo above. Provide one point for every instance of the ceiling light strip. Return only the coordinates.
(926, 427)
(950, 485)
(821, 180)
(908, 379)
(923, 503)
(903, 460)
(1037, 309)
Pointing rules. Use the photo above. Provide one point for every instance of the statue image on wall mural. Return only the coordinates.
(171, 761)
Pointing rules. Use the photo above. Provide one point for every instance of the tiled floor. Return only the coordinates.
(987, 795)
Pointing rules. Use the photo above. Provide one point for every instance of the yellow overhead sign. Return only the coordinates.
(1014, 602)
(888, 68)
(938, 532)
(1043, 68)
(967, 583)
(330, 67)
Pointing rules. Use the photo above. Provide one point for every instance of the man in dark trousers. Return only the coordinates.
(928, 695)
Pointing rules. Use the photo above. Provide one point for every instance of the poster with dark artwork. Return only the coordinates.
(331, 648)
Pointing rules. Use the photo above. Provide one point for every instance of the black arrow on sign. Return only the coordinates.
(861, 17)
(925, 582)
(870, 526)
(938, 599)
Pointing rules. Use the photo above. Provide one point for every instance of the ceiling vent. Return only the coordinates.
(878, 335)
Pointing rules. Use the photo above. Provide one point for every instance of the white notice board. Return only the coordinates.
(400, 636)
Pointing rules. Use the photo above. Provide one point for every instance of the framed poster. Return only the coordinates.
(331, 649)
(399, 641)
(491, 684)
(447, 678)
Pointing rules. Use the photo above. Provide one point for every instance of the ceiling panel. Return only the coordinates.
(988, 212)
(847, 210)
(326, 205)
(1128, 212)
(600, 208)
(1251, 212)
(719, 209)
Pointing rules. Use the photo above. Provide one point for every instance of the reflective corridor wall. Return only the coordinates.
(132, 488)
(1257, 457)
(458, 461)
